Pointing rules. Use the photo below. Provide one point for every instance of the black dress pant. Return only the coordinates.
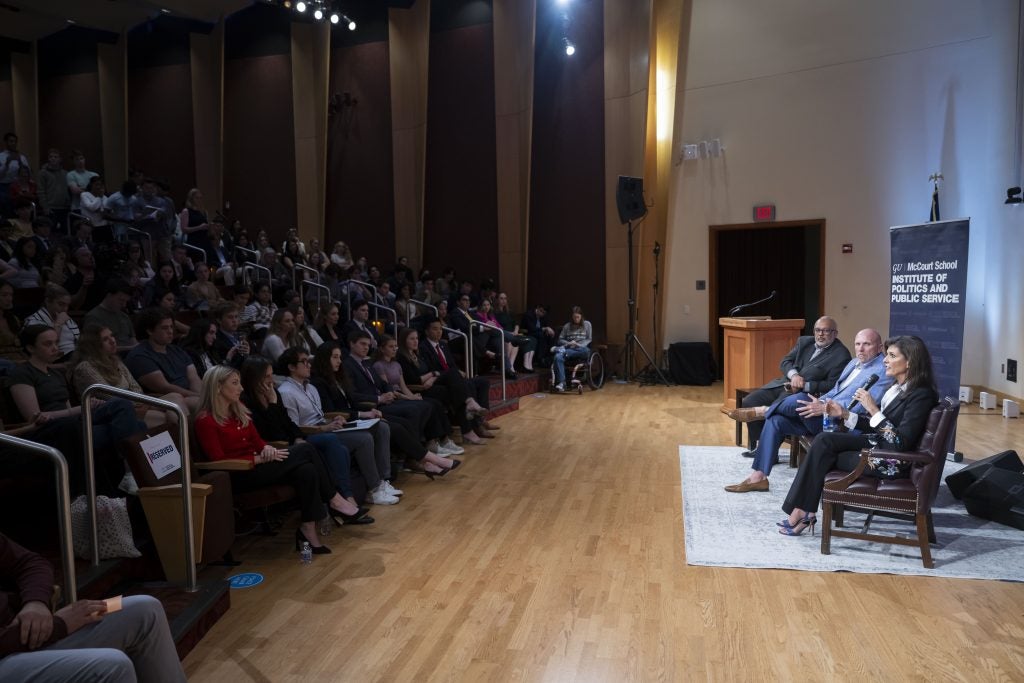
(303, 469)
(828, 450)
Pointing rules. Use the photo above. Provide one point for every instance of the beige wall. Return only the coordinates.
(24, 86)
(207, 64)
(310, 62)
(112, 63)
(848, 126)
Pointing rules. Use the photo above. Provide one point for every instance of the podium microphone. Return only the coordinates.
(868, 383)
(736, 309)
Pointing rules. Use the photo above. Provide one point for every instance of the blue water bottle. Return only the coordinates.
(828, 423)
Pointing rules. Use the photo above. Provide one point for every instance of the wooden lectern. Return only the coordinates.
(752, 349)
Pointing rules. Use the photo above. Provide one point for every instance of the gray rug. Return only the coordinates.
(738, 530)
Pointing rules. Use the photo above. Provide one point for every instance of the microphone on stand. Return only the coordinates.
(868, 383)
(736, 309)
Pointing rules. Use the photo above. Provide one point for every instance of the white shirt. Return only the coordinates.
(67, 335)
(890, 395)
(302, 403)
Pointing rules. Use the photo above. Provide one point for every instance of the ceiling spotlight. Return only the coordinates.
(563, 3)
(1013, 196)
(300, 6)
(351, 25)
(570, 49)
(287, 4)
(318, 14)
(335, 18)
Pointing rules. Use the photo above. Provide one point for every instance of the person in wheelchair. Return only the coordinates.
(573, 345)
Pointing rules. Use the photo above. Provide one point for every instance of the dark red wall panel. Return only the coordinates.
(161, 138)
(259, 143)
(567, 184)
(7, 110)
(69, 117)
(360, 203)
(461, 203)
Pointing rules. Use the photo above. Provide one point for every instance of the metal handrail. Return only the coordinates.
(149, 240)
(469, 347)
(258, 267)
(251, 252)
(317, 285)
(437, 313)
(186, 474)
(500, 330)
(348, 292)
(192, 247)
(297, 267)
(60, 465)
(393, 312)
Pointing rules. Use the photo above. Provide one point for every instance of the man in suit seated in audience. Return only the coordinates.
(438, 358)
(360, 322)
(161, 366)
(487, 343)
(367, 387)
(801, 413)
(812, 366)
(80, 641)
(231, 345)
(110, 314)
(220, 251)
(535, 324)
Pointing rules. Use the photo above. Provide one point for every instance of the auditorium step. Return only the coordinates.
(190, 615)
(524, 385)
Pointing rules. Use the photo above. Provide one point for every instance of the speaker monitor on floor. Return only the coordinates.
(960, 481)
(992, 488)
(629, 198)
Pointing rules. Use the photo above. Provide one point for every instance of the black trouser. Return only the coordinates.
(451, 390)
(418, 415)
(759, 397)
(828, 450)
(404, 441)
(302, 469)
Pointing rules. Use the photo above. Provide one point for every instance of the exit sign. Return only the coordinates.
(764, 212)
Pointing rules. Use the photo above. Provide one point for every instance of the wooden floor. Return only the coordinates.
(556, 554)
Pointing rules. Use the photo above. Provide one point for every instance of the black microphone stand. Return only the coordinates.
(631, 338)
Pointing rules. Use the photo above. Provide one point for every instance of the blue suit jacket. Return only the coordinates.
(843, 396)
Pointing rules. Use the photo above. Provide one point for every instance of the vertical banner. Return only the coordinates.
(929, 286)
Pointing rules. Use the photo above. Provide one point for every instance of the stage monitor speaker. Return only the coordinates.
(998, 495)
(629, 198)
(960, 481)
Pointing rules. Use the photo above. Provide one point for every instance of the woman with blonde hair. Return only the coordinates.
(342, 255)
(226, 432)
(96, 361)
(282, 335)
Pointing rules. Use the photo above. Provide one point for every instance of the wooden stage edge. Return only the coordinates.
(556, 553)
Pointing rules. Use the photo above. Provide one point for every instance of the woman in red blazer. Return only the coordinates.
(225, 431)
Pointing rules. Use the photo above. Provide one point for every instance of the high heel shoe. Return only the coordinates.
(300, 538)
(417, 468)
(360, 517)
(446, 470)
(801, 526)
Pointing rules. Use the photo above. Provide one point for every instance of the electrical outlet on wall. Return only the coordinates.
(1011, 370)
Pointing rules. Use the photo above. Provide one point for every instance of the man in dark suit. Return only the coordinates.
(360, 322)
(367, 387)
(812, 366)
(535, 324)
(438, 358)
(487, 343)
(220, 251)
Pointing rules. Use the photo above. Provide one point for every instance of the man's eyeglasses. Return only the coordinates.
(818, 330)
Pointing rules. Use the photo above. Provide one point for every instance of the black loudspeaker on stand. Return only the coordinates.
(629, 199)
(992, 488)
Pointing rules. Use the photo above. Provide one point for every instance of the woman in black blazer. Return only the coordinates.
(900, 421)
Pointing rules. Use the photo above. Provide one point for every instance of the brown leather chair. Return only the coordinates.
(910, 499)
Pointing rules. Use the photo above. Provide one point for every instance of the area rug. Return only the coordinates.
(738, 530)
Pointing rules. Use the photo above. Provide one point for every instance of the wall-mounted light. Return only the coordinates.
(570, 48)
(300, 6)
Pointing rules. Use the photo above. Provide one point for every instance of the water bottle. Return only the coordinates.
(828, 423)
(307, 553)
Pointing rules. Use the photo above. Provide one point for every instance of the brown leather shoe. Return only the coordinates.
(748, 486)
(745, 414)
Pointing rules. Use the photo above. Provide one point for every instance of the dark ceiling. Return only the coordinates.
(30, 20)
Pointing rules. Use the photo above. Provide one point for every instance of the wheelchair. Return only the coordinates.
(588, 371)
